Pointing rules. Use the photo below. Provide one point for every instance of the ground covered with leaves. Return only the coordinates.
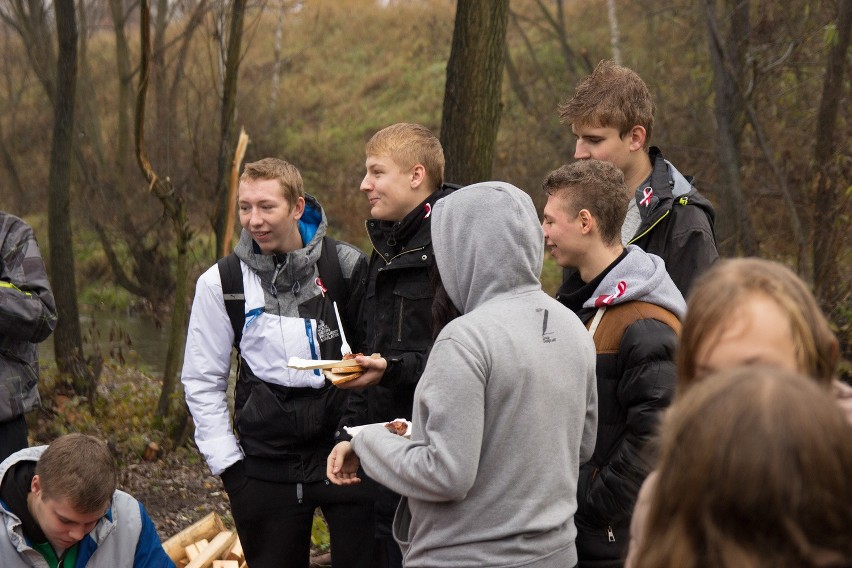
(173, 483)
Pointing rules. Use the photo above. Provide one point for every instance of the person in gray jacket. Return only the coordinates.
(27, 317)
(59, 507)
(505, 411)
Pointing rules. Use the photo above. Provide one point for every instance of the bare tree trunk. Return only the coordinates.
(227, 142)
(614, 40)
(831, 223)
(276, 65)
(472, 105)
(68, 341)
(175, 207)
(734, 228)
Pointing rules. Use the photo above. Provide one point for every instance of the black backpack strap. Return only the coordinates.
(329, 269)
(233, 294)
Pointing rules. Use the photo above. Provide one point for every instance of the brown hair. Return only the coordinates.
(285, 173)
(594, 185)
(719, 294)
(612, 96)
(407, 145)
(754, 472)
(80, 468)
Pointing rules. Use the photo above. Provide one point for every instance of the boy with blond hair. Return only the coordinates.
(612, 115)
(404, 179)
(59, 507)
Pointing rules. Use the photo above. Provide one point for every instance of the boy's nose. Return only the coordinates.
(580, 152)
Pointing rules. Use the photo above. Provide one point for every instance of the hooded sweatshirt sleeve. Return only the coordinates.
(206, 366)
(440, 462)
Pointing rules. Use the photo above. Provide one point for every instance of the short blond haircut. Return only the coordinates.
(285, 173)
(613, 96)
(79, 468)
(407, 145)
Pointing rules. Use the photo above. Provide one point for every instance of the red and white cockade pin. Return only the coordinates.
(648, 193)
(620, 288)
(321, 286)
(428, 209)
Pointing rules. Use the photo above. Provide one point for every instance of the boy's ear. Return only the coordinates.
(587, 221)
(298, 208)
(418, 175)
(637, 136)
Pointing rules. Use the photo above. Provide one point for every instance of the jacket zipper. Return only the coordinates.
(609, 534)
(645, 232)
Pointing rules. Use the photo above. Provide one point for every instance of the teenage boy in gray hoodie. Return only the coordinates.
(505, 411)
(632, 309)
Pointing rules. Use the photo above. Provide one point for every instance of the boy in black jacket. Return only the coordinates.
(405, 171)
(612, 115)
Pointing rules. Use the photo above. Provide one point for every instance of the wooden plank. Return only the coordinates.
(206, 527)
(218, 546)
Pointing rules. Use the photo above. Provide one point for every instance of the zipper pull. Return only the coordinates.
(610, 535)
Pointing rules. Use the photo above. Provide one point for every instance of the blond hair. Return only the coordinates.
(718, 296)
(407, 145)
(285, 173)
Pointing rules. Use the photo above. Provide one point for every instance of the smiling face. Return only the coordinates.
(267, 215)
(562, 232)
(61, 523)
(393, 193)
(758, 332)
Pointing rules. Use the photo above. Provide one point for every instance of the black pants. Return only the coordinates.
(274, 522)
(386, 504)
(13, 436)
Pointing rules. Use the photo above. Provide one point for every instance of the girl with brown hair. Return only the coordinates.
(753, 472)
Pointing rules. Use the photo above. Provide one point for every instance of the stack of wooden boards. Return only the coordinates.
(206, 544)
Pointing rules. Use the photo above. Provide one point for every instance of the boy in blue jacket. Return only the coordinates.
(59, 508)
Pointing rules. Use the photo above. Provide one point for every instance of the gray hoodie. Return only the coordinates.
(638, 277)
(506, 410)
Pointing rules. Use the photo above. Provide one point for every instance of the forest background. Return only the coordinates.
(123, 167)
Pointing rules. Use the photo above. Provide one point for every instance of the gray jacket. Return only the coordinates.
(27, 316)
(506, 409)
(125, 536)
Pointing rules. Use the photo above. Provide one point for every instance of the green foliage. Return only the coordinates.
(320, 539)
(122, 412)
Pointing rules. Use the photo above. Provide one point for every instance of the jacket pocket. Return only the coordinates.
(412, 315)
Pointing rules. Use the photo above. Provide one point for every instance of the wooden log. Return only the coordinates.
(226, 564)
(236, 552)
(194, 549)
(207, 527)
(218, 546)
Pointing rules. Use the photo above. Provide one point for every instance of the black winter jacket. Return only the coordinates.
(635, 383)
(677, 223)
(396, 314)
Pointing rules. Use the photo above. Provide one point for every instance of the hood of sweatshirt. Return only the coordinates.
(638, 277)
(488, 242)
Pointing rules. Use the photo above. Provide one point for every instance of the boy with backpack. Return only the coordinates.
(632, 309)
(404, 179)
(612, 114)
(273, 300)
